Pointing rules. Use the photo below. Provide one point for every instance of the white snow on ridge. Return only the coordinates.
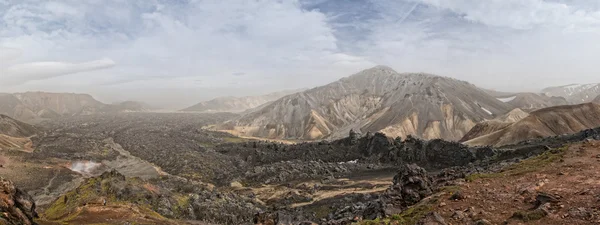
(487, 111)
(507, 99)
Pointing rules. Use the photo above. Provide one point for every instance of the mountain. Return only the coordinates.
(575, 93)
(14, 133)
(237, 104)
(34, 107)
(376, 99)
(546, 122)
(491, 126)
(532, 101)
(61, 103)
(597, 100)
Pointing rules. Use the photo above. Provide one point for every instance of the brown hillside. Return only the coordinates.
(491, 126)
(546, 122)
(376, 99)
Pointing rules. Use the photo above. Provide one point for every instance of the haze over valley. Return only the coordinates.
(299, 112)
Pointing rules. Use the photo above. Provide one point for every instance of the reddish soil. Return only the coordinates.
(574, 180)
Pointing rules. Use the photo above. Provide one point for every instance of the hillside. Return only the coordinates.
(491, 126)
(237, 104)
(597, 100)
(15, 134)
(376, 99)
(532, 101)
(575, 93)
(34, 107)
(546, 122)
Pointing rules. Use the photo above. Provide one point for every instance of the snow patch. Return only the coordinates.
(507, 99)
(487, 111)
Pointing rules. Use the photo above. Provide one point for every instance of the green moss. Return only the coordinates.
(234, 140)
(526, 166)
(410, 216)
(535, 163)
(321, 211)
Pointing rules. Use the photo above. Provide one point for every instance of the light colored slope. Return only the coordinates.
(377, 99)
(544, 123)
(491, 126)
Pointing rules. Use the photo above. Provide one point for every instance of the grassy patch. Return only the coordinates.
(409, 216)
(535, 163)
(526, 166)
(321, 211)
(234, 140)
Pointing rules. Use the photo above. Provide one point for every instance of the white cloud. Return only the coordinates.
(187, 49)
(22, 73)
(519, 14)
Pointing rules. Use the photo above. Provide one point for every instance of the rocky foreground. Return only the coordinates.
(16, 206)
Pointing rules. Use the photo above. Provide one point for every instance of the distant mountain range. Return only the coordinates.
(376, 99)
(38, 106)
(532, 101)
(545, 122)
(237, 104)
(575, 93)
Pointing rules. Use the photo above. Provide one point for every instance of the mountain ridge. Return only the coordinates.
(374, 99)
(545, 122)
(38, 106)
(237, 104)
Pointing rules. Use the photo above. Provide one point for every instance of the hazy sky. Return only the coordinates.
(184, 51)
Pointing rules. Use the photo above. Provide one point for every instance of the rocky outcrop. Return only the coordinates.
(16, 206)
(377, 99)
(411, 185)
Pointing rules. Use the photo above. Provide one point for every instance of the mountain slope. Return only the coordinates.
(38, 106)
(491, 126)
(597, 100)
(237, 104)
(61, 103)
(376, 99)
(575, 93)
(533, 101)
(546, 122)
(15, 134)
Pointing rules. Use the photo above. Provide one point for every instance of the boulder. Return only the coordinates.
(17, 206)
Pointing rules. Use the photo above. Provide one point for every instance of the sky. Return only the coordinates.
(174, 53)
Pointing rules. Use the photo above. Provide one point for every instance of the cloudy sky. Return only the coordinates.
(177, 52)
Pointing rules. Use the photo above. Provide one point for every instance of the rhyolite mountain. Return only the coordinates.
(376, 99)
(237, 104)
(547, 122)
(575, 93)
(34, 107)
(532, 101)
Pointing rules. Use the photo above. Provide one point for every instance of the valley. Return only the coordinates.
(382, 148)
